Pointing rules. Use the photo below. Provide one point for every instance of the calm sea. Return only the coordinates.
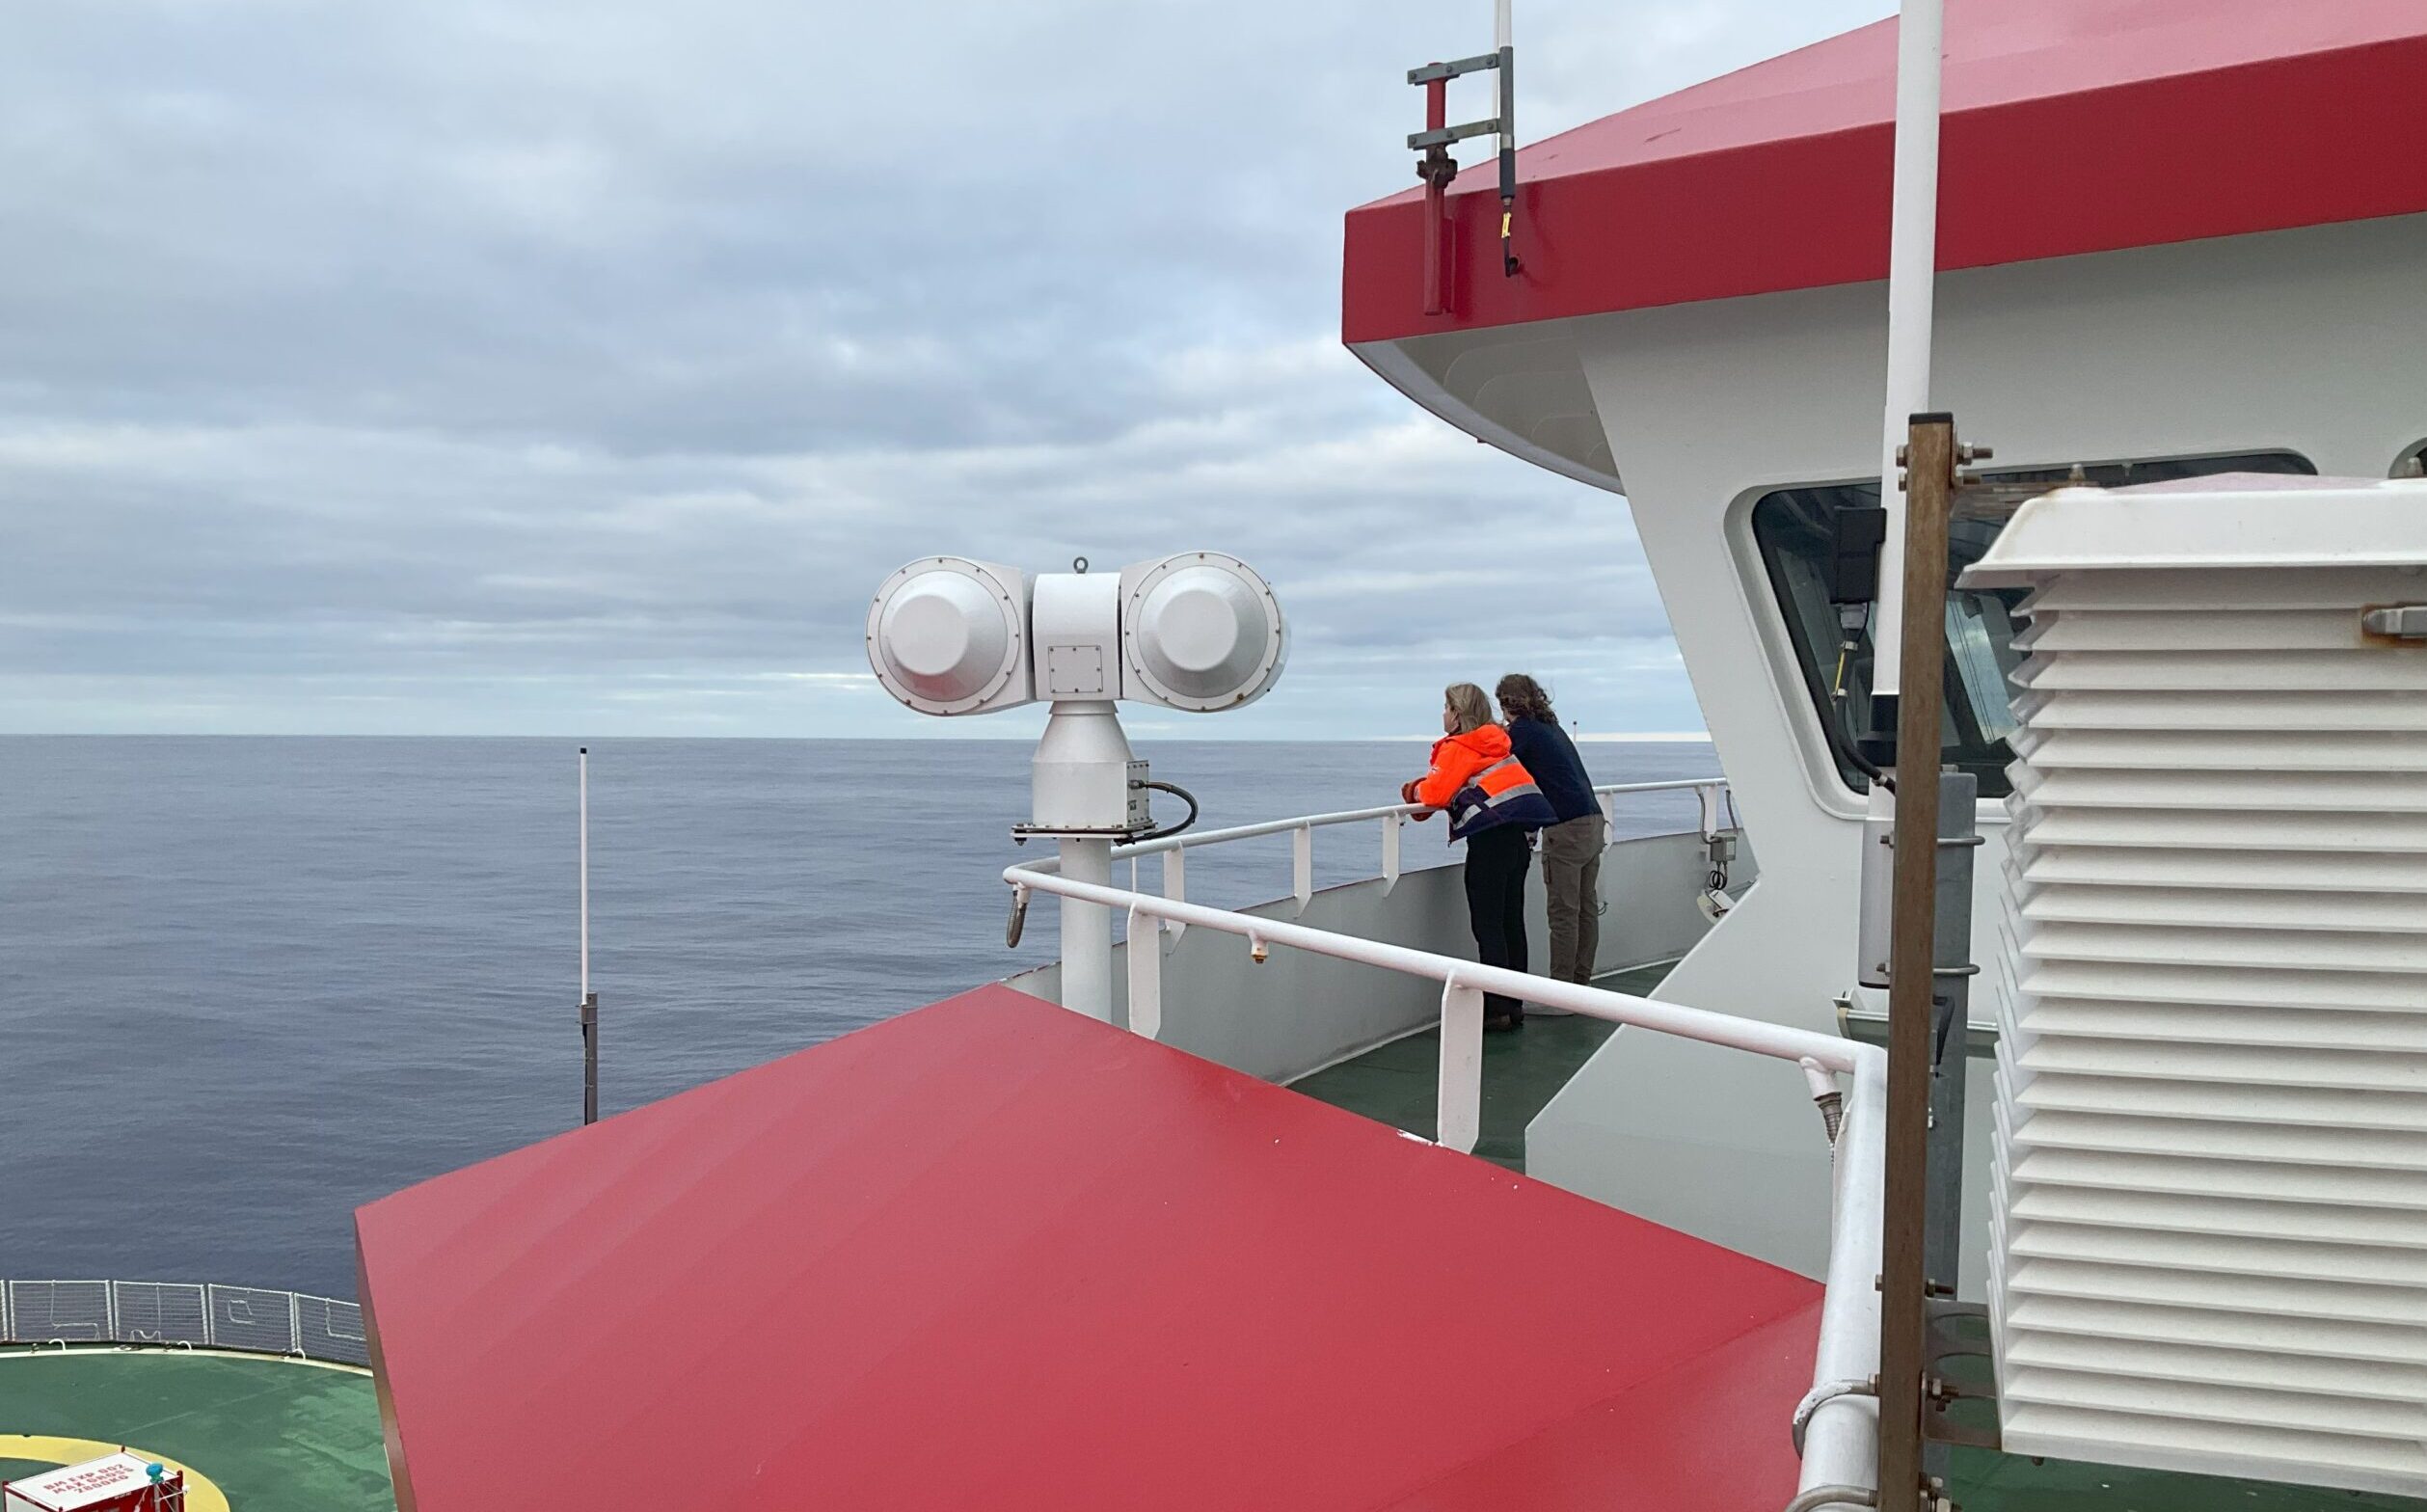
(248, 985)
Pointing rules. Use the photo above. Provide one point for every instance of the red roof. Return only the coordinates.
(2069, 127)
(995, 1254)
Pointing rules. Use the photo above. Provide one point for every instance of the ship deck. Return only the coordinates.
(271, 1435)
(1397, 1084)
(266, 1434)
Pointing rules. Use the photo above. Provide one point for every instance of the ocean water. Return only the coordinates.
(249, 984)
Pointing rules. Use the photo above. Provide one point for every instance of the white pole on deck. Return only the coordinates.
(585, 870)
(1499, 24)
(589, 999)
(1912, 277)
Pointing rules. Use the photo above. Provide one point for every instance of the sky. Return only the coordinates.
(581, 367)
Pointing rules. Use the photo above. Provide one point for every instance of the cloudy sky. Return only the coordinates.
(578, 367)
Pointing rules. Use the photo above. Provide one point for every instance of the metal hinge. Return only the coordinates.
(2396, 622)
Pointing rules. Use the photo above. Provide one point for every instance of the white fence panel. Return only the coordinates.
(77, 1311)
(327, 1329)
(254, 1319)
(246, 1317)
(160, 1313)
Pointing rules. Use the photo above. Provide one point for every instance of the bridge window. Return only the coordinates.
(1792, 527)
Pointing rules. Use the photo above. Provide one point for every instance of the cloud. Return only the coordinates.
(580, 368)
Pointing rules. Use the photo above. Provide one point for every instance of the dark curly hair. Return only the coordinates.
(1522, 698)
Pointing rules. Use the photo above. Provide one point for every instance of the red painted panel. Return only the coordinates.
(2070, 126)
(994, 1254)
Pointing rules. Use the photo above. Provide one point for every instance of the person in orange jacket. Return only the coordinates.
(1495, 807)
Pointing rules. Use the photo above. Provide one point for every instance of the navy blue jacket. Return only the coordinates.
(1550, 756)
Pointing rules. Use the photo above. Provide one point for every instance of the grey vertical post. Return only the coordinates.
(589, 1058)
(1950, 997)
(1959, 797)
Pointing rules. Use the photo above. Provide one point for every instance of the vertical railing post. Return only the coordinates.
(1145, 974)
(1458, 1120)
(1175, 887)
(1392, 824)
(1302, 865)
(294, 1324)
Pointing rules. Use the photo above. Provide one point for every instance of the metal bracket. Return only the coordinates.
(1447, 135)
(2396, 622)
(1450, 70)
(1941, 1344)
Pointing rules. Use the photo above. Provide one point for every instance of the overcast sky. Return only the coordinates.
(521, 366)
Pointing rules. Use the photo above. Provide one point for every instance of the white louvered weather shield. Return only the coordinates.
(2210, 1185)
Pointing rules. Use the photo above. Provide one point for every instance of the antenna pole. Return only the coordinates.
(589, 999)
(1912, 275)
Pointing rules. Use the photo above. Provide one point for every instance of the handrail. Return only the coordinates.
(1840, 1425)
(254, 1320)
(1192, 839)
(1710, 790)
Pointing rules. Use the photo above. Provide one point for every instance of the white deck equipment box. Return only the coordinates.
(2209, 1191)
(119, 1482)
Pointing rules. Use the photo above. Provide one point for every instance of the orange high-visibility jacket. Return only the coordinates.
(1483, 786)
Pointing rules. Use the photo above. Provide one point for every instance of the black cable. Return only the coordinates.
(1839, 740)
(1168, 830)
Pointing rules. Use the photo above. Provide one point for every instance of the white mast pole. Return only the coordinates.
(585, 871)
(1499, 24)
(1912, 277)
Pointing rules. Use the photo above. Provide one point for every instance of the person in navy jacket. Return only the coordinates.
(1572, 844)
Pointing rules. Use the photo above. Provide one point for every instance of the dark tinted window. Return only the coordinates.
(1792, 529)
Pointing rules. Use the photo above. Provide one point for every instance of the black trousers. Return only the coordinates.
(1495, 905)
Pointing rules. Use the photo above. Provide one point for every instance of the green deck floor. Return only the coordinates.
(1398, 1083)
(274, 1436)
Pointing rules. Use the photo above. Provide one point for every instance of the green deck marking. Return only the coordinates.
(1397, 1084)
(276, 1435)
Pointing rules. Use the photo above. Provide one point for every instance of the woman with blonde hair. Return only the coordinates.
(1570, 847)
(1494, 807)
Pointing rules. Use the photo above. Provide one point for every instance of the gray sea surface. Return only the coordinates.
(247, 984)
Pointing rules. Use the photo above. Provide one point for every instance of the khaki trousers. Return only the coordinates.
(1572, 874)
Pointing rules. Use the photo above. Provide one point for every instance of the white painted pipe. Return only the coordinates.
(1500, 23)
(1912, 277)
(1353, 816)
(585, 872)
(1778, 1041)
(1841, 1444)
(1087, 930)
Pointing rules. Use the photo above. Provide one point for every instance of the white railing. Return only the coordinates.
(1711, 794)
(1838, 1424)
(196, 1315)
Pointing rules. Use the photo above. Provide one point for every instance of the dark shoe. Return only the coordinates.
(1496, 1023)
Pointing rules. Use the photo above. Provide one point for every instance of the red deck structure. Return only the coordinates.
(993, 1255)
(2070, 126)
